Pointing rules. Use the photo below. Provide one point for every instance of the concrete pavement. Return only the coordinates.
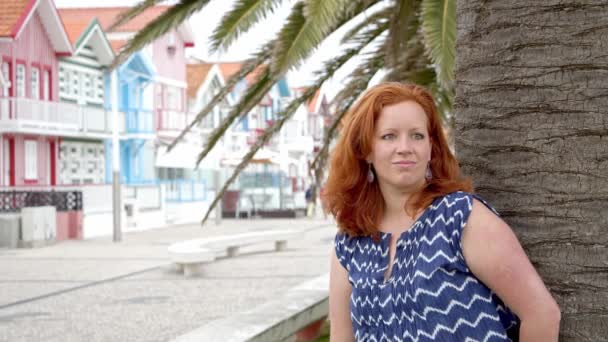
(97, 290)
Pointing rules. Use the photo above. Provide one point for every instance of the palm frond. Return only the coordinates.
(404, 24)
(283, 116)
(171, 18)
(301, 34)
(357, 84)
(376, 19)
(248, 67)
(243, 15)
(439, 31)
(360, 78)
(330, 68)
(252, 96)
(133, 12)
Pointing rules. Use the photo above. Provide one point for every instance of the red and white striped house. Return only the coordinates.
(32, 39)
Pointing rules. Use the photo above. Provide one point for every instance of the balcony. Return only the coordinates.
(171, 122)
(53, 118)
(294, 138)
(140, 122)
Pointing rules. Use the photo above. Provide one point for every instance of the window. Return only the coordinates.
(46, 85)
(98, 85)
(171, 39)
(35, 83)
(86, 86)
(20, 80)
(159, 96)
(75, 78)
(31, 159)
(6, 74)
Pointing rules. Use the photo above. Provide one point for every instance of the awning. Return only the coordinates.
(263, 156)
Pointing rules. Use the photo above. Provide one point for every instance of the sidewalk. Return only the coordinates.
(97, 290)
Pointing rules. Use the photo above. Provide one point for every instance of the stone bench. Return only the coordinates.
(277, 320)
(191, 254)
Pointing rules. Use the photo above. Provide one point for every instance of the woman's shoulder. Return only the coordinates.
(459, 203)
(457, 199)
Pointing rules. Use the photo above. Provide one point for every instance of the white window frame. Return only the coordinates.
(20, 79)
(31, 159)
(35, 83)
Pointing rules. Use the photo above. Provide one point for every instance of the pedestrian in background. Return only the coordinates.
(310, 201)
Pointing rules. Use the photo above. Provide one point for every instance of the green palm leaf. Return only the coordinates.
(308, 24)
(404, 26)
(439, 30)
(249, 66)
(283, 116)
(171, 18)
(376, 19)
(345, 98)
(244, 15)
(253, 95)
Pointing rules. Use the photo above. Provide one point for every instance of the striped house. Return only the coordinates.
(83, 78)
(32, 120)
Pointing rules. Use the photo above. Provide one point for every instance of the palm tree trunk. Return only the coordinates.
(532, 130)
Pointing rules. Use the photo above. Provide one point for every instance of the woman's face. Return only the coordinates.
(401, 148)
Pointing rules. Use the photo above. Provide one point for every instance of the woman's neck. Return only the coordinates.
(395, 201)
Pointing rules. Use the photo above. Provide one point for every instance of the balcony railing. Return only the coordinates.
(184, 190)
(58, 117)
(172, 120)
(140, 121)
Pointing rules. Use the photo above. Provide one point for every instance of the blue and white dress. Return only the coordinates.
(431, 295)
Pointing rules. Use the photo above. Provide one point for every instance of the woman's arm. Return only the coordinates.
(495, 256)
(341, 328)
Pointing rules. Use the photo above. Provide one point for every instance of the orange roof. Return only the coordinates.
(196, 74)
(12, 13)
(108, 15)
(74, 25)
(117, 45)
(230, 68)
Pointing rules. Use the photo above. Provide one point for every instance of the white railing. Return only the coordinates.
(174, 120)
(146, 196)
(59, 117)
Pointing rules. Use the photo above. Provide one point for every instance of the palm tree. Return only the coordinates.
(531, 130)
(412, 40)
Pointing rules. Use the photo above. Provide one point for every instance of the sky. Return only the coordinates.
(203, 22)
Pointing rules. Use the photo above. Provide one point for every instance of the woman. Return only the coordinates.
(418, 257)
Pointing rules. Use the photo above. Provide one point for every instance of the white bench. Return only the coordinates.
(190, 255)
(276, 320)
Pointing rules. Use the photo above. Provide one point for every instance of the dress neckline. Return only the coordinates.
(414, 224)
(402, 236)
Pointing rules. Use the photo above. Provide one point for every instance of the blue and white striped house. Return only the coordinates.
(135, 106)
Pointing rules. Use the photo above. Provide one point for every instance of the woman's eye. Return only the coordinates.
(418, 136)
(388, 136)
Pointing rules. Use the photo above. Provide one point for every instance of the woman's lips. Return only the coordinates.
(405, 163)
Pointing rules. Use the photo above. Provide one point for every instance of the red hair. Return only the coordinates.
(357, 204)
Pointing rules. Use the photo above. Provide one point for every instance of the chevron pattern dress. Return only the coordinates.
(431, 295)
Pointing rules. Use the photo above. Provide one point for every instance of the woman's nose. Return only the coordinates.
(404, 145)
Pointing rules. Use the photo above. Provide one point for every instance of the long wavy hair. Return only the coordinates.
(358, 205)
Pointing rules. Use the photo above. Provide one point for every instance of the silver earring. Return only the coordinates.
(429, 174)
(370, 174)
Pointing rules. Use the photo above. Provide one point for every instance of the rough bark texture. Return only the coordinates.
(532, 131)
